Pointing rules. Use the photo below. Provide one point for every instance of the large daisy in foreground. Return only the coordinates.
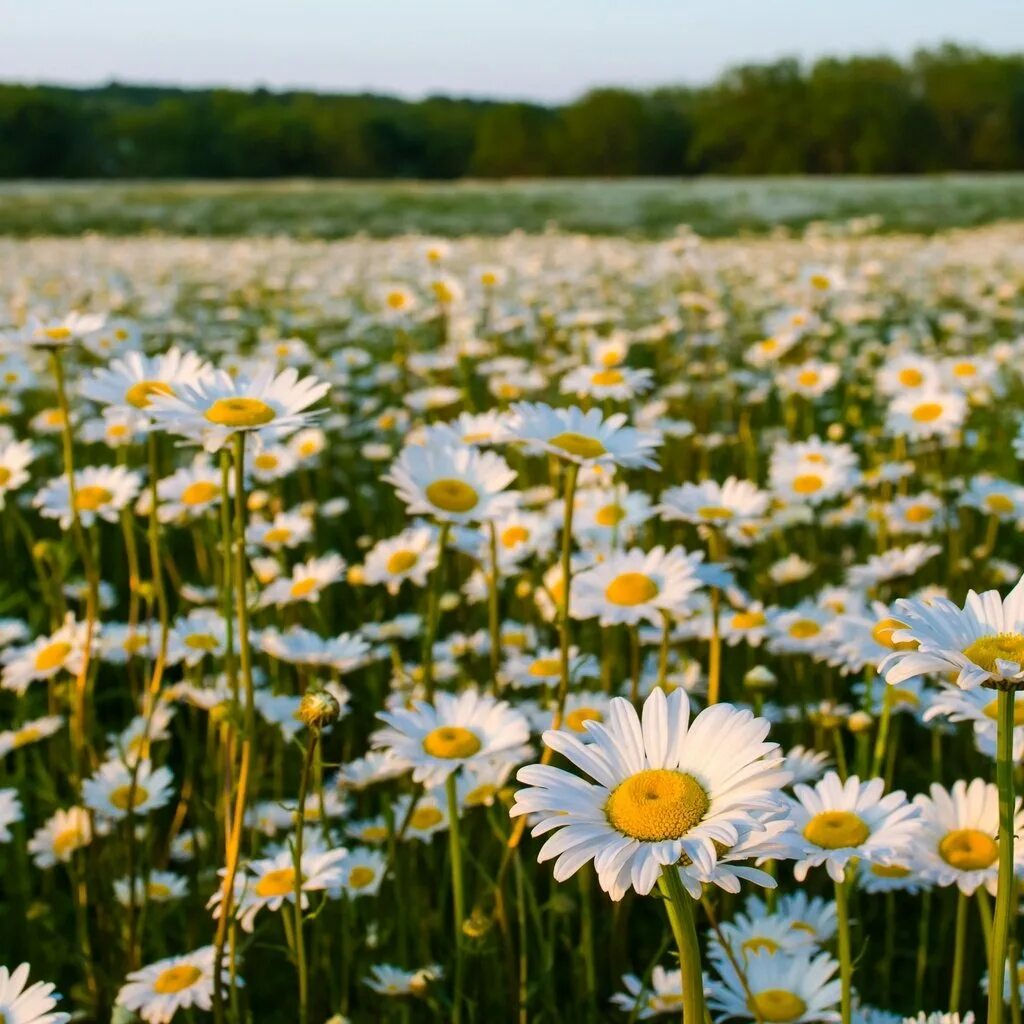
(664, 790)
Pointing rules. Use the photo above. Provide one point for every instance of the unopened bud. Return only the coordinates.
(318, 708)
(760, 678)
(859, 721)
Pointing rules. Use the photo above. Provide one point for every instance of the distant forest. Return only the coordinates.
(950, 109)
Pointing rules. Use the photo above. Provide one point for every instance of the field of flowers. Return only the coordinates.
(531, 628)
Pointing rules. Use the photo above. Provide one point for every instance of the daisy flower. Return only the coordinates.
(455, 731)
(663, 788)
(924, 414)
(129, 383)
(191, 491)
(210, 411)
(32, 1005)
(31, 732)
(663, 994)
(457, 485)
(15, 458)
(618, 383)
(57, 840)
(712, 504)
(100, 492)
(10, 813)
(411, 555)
(111, 794)
(45, 657)
(61, 332)
(158, 991)
(957, 838)
(635, 586)
(306, 582)
(285, 530)
(585, 438)
(364, 871)
(837, 822)
(388, 980)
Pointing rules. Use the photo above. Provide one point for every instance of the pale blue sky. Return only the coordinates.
(541, 49)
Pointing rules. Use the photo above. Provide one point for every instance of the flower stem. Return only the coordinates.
(493, 611)
(458, 892)
(845, 957)
(571, 473)
(433, 610)
(300, 829)
(1005, 910)
(680, 917)
(959, 943)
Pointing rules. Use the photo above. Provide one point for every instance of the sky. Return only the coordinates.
(545, 50)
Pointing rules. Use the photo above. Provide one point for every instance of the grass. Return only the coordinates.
(641, 207)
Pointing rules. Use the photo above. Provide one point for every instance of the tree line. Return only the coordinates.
(942, 110)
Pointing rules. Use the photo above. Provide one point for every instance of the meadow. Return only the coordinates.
(532, 626)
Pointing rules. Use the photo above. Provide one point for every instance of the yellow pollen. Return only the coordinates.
(919, 514)
(999, 504)
(514, 535)
(52, 656)
(808, 483)
(199, 493)
(968, 849)
(266, 461)
(580, 445)
(396, 300)
(748, 620)
(890, 871)
(575, 719)
(374, 834)
(123, 798)
(804, 629)
(239, 412)
(5, 476)
(158, 891)
(54, 418)
(819, 281)
(545, 667)
(176, 979)
(57, 333)
(964, 370)
(630, 589)
(760, 943)
(911, 378)
(927, 412)
(360, 877)
(278, 535)
(808, 378)
(23, 737)
(714, 512)
(776, 1005)
(450, 742)
(481, 795)
(66, 842)
(303, 588)
(883, 631)
(452, 495)
(89, 499)
(657, 804)
(425, 817)
(140, 394)
(201, 642)
(987, 650)
(607, 378)
(836, 830)
(610, 515)
(402, 561)
(279, 882)
(991, 710)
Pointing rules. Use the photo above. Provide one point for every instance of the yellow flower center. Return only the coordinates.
(201, 642)
(52, 656)
(451, 741)
(374, 834)
(303, 588)
(514, 535)
(760, 943)
(819, 281)
(883, 631)
(279, 882)
(452, 495)
(158, 891)
(808, 378)
(927, 412)
(968, 849)
(999, 504)
(991, 710)
(545, 667)
(140, 394)
(964, 370)
(808, 483)
(776, 1005)
(67, 841)
(911, 378)
(889, 871)
(714, 512)
(124, 798)
(657, 804)
(425, 817)
(610, 515)
(986, 650)
(575, 719)
(402, 561)
(360, 877)
(607, 378)
(748, 620)
(5, 476)
(265, 461)
(199, 493)
(176, 979)
(27, 735)
(57, 333)
(630, 589)
(804, 629)
(239, 412)
(580, 445)
(919, 513)
(277, 535)
(88, 499)
(836, 830)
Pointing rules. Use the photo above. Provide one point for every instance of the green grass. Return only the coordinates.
(643, 207)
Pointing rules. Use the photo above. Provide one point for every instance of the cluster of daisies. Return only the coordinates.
(465, 627)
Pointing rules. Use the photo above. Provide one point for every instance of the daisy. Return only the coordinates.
(158, 887)
(100, 492)
(411, 555)
(663, 994)
(921, 514)
(59, 333)
(544, 668)
(924, 414)
(905, 374)
(837, 822)
(10, 813)
(307, 581)
(983, 643)
(810, 379)
(191, 491)
(112, 793)
(663, 788)
(891, 564)
(994, 497)
(393, 981)
(129, 383)
(813, 916)
(618, 383)
(32, 1005)
(585, 438)
(713, 504)
(269, 406)
(15, 458)
(158, 991)
(455, 731)
(364, 871)
(635, 586)
(458, 485)
(31, 732)
(45, 657)
(957, 838)
(786, 988)
(805, 764)
(286, 530)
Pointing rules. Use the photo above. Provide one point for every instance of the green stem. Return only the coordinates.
(493, 611)
(960, 942)
(433, 610)
(845, 957)
(458, 892)
(679, 907)
(1005, 910)
(923, 933)
(300, 831)
(571, 473)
